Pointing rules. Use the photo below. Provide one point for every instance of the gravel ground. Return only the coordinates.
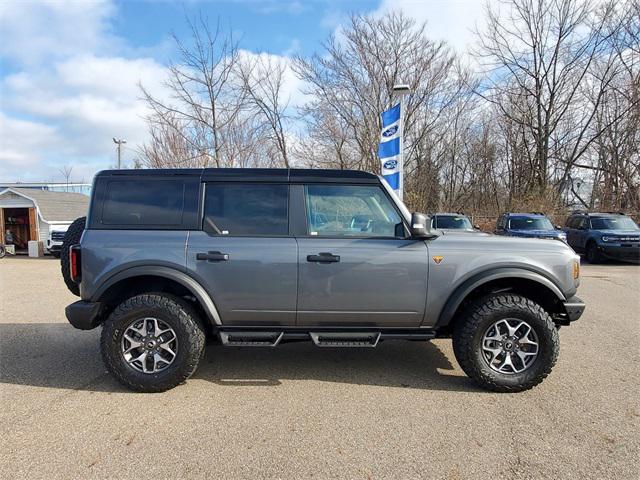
(403, 410)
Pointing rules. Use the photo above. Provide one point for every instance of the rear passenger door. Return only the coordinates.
(243, 254)
(355, 265)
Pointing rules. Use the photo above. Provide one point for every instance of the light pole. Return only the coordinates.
(119, 142)
(400, 90)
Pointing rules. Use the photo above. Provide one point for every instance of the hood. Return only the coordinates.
(459, 230)
(538, 233)
(483, 241)
(620, 233)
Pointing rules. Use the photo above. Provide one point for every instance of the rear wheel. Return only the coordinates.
(506, 343)
(593, 255)
(152, 342)
(72, 237)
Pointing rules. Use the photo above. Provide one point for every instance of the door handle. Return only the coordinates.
(212, 256)
(323, 257)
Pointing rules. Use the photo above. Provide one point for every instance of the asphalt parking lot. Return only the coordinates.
(403, 410)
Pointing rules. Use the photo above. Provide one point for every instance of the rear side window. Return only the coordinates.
(246, 209)
(143, 203)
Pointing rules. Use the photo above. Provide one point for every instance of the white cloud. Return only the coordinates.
(90, 100)
(450, 20)
(36, 32)
(292, 87)
(21, 136)
(73, 86)
(64, 102)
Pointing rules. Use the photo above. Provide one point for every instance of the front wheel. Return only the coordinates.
(152, 342)
(506, 343)
(593, 255)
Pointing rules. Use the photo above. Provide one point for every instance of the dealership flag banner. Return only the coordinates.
(390, 148)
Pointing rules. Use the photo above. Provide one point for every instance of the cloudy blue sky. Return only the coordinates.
(69, 70)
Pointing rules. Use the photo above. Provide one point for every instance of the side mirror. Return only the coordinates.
(477, 227)
(558, 227)
(421, 226)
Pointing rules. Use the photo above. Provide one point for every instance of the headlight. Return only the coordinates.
(608, 239)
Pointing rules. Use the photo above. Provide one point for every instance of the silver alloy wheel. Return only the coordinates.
(510, 346)
(149, 345)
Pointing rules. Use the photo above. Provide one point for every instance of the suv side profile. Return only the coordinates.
(261, 257)
(530, 225)
(604, 235)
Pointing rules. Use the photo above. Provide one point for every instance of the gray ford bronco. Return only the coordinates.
(167, 259)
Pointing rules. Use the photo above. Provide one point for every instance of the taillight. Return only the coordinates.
(74, 263)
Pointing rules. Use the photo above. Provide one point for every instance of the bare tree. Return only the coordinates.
(352, 81)
(540, 56)
(66, 174)
(204, 102)
(262, 78)
(557, 105)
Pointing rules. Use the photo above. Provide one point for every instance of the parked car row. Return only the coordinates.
(597, 235)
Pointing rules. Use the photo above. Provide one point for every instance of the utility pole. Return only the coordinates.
(119, 142)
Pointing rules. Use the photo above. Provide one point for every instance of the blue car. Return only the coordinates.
(531, 225)
(604, 235)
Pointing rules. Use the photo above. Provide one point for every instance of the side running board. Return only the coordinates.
(345, 339)
(251, 339)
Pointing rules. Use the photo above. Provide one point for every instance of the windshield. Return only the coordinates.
(613, 223)
(452, 222)
(530, 223)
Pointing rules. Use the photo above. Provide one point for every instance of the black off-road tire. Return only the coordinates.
(56, 254)
(71, 238)
(172, 310)
(476, 320)
(592, 254)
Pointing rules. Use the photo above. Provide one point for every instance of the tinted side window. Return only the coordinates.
(143, 203)
(246, 209)
(350, 210)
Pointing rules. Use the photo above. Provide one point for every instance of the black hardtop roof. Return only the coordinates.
(599, 214)
(521, 214)
(449, 214)
(251, 174)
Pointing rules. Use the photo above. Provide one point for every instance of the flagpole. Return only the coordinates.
(401, 90)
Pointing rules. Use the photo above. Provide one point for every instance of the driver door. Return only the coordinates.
(356, 266)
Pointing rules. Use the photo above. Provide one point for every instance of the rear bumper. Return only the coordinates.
(618, 252)
(84, 315)
(574, 308)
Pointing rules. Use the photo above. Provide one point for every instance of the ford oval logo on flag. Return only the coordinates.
(390, 164)
(390, 131)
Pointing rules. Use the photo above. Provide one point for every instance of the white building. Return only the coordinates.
(30, 213)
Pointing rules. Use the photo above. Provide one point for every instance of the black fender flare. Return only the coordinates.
(169, 273)
(479, 279)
